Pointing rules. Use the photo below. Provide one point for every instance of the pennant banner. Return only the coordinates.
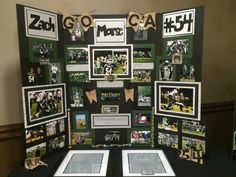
(92, 96)
(129, 95)
(141, 22)
(69, 21)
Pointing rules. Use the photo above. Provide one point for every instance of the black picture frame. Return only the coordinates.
(36, 100)
(166, 103)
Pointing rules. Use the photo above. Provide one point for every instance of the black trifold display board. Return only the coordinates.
(111, 81)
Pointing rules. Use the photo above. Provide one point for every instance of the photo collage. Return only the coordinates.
(178, 122)
(96, 87)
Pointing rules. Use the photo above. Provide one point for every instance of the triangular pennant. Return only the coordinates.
(129, 95)
(92, 96)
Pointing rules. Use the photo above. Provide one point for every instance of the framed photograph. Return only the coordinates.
(141, 118)
(76, 95)
(144, 96)
(84, 163)
(78, 77)
(56, 143)
(110, 31)
(143, 53)
(79, 120)
(178, 45)
(168, 140)
(75, 54)
(55, 127)
(145, 163)
(100, 121)
(42, 104)
(36, 151)
(34, 134)
(82, 138)
(178, 99)
(110, 95)
(140, 137)
(193, 128)
(234, 141)
(110, 109)
(142, 76)
(167, 123)
(195, 144)
(110, 60)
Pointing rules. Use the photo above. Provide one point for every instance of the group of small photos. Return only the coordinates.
(177, 64)
(181, 134)
(81, 133)
(45, 138)
(141, 132)
(44, 67)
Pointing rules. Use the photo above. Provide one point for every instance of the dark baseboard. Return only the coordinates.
(10, 131)
(217, 107)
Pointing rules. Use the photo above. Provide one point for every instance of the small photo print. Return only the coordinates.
(34, 134)
(142, 118)
(177, 59)
(36, 151)
(193, 128)
(112, 136)
(141, 35)
(140, 137)
(169, 140)
(142, 55)
(144, 96)
(76, 96)
(55, 127)
(110, 95)
(78, 77)
(181, 45)
(36, 75)
(54, 73)
(166, 70)
(76, 55)
(187, 72)
(110, 109)
(141, 76)
(56, 143)
(194, 144)
(41, 50)
(79, 120)
(81, 138)
(168, 123)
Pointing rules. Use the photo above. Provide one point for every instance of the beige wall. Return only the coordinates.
(219, 51)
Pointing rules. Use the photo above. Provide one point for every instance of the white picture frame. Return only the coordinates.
(126, 163)
(103, 163)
